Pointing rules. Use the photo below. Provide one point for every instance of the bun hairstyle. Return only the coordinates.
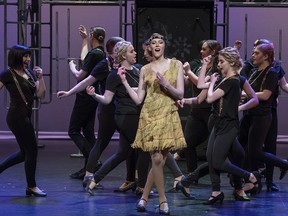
(119, 50)
(98, 33)
(15, 56)
(231, 55)
(111, 43)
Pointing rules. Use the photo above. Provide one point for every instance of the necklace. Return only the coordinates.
(132, 77)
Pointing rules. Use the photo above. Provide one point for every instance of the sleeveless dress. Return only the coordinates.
(159, 124)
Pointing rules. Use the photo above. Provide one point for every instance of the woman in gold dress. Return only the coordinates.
(161, 83)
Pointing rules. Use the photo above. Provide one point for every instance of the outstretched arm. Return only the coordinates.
(77, 88)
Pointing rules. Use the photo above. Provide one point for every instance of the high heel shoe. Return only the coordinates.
(90, 185)
(164, 211)
(239, 197)
(127, 185)
(257, 185)
(37, 192)
(272, 187)
(140, 205)
(214, 199)
(180, 187)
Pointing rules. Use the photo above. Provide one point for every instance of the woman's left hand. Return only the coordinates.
(38, 71)
(161, 80)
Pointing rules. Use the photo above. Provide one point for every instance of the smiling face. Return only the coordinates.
(223, 65)
(130, 55)
(26, 60)
(157, 47)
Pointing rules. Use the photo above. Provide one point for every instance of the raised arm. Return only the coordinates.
(141, 91)
(214, 95)
(85, 42)
(40, 84)
(189, 75)
(202, 84)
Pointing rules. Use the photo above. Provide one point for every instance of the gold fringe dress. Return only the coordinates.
(159, 125)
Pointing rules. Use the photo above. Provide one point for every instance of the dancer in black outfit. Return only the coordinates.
(256, 122)
(82, 120)
(126, 114)
(196, 127)
(23, 84)
(107, 126)
(270, 143)
(225, 97)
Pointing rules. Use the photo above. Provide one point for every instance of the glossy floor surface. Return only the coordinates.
(67, 197)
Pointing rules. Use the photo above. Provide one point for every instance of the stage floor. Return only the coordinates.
(67, 197)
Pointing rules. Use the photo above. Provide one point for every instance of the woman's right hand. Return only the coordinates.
(121, 73)
(90, 90)
(207, 60)
(61, 94)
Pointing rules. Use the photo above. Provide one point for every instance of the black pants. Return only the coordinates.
(127, 126)
(20, 124)
(195, 132)
(253, 133)
(82, 120)
(219, 148)
(270, 144)
(106, 129)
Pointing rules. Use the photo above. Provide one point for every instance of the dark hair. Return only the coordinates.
(111, 43)
(261, 41)
(15, 56)
(213, 46)
(98, 33)
(267, 49)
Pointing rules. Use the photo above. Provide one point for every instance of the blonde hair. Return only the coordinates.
(231, 55)
(119, 50)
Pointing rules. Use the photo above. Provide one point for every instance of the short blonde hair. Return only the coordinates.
(231, 55)
(119, 50)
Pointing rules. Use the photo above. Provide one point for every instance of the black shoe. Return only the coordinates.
(78, 175)
(257, 185)
(240, 198)
(86, 181)
(40, 193)
(272, 187)
(181, 188)
(214, 199)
